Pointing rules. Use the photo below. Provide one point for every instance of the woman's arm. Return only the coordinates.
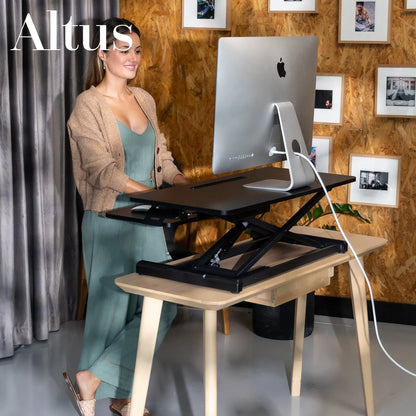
(94, 159)
(133, 187)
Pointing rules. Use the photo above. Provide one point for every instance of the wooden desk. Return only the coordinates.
(294, 284)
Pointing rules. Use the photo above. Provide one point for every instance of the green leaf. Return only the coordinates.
(329, 227)
(345, 209)
(317, 212)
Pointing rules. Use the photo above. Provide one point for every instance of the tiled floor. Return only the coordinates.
(253, 372)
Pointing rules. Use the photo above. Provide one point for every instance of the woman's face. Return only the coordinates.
(122, 61)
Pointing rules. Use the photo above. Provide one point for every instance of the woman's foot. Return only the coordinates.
(85, 406)
(87, 384)
(120, 403)
(121, 407)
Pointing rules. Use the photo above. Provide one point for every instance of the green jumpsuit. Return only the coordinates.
(111, 248)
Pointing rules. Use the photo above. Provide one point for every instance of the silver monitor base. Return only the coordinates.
(301, 174)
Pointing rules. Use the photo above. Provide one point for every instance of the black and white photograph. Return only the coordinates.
(365, 21)
(374, 180)
(206, 14)
(294, 6)
(378, 180)
(400, 91)
(395, 91)
(329, 99)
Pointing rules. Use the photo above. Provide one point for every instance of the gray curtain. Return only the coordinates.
(39, 213)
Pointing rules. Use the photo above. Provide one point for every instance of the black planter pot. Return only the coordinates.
(278, 322)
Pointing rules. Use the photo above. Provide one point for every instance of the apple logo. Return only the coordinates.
(281, 68)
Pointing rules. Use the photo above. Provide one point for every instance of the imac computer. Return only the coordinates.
(264, 106)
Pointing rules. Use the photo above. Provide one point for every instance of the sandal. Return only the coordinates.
(125, 410)
(86, 407)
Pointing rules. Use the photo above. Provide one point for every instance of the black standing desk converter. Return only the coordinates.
(226, 197)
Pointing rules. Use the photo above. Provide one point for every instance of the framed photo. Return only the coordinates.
(329, 99)
(410, 5)
(321, 154)
(378, 180)
(296, 6)
(206, 14)
(364, 21)
(395, 91)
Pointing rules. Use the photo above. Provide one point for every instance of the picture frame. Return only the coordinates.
(206, 14)
(322, 153)
(378, 180)
(329, 99)
(365, 21)
(410, 5)
(395, 91)
(293, 6)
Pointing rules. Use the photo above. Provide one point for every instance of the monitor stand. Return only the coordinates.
(301, 174)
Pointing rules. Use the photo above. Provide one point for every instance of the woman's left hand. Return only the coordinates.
(180, 180)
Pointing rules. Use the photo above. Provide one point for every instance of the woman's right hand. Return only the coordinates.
(133, 187)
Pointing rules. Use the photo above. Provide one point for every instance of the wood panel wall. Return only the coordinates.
(179, 70)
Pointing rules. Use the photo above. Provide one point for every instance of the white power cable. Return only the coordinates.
(360, 265)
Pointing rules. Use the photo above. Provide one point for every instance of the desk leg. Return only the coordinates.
(225, 315)
(298, 341)
(210, 362)
(149, 326)
(359, 303)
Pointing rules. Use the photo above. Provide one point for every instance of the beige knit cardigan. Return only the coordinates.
(97, 149)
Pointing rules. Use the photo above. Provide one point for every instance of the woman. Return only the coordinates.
(117, 149)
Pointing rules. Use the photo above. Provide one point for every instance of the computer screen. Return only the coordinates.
(265, 96)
